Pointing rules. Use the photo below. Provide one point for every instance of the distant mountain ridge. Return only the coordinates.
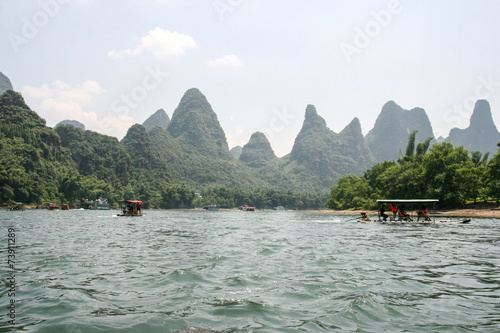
(195, 148)
(192, 148)
(75, 123)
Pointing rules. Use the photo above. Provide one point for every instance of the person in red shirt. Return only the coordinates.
(394, 210)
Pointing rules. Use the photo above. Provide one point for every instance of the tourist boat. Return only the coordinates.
(51, 206)
(413, 211)
(97, 204)
(17, 206)
(131, 208)
(250, 209)
(210, 207)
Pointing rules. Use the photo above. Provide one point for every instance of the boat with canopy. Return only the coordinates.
(131, 208)
(412, 210)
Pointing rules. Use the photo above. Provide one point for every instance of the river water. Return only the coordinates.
(264, 271)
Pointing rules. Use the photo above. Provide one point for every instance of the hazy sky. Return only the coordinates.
(110, 64)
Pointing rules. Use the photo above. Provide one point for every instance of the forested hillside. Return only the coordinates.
(33, 165)
(40, 165)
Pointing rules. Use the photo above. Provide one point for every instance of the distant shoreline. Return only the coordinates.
(492, 211)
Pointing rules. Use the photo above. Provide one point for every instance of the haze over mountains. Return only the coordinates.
(191, 147)
(481, 135)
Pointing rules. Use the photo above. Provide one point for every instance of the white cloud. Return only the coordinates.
(161, 43)
(229, 60)
(61, 92)
(59, 100)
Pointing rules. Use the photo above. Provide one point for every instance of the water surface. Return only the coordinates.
(265, 271)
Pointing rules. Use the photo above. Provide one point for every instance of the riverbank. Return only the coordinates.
(470, 210)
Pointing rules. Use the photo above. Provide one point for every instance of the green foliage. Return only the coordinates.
(492, 177)
(446, 173)
(96, 154)
(351, 191)
(188, 166)
(39, 165)
(410, 148)
(423, 147)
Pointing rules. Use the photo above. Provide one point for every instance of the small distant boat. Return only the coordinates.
(131, 208)
(51, 206)
(17, 206)
(97, 204)
(210, 207)
(250, 209)
(279, 208)
(364, 218)
(64, 207)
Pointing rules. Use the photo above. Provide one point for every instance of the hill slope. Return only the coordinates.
(195, 124)
(257, 152)
(320, 156)
(32, 161)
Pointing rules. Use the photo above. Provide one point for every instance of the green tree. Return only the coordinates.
(351, 191)
(492, 177)
(446, 169)
(410, 148)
